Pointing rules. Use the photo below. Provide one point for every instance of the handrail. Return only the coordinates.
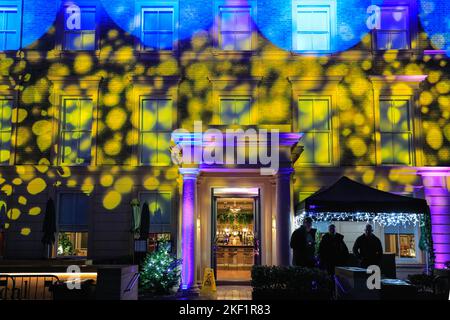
(132, 282)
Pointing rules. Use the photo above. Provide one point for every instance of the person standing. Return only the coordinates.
(332, 250)
(368, 248)
(303, 242)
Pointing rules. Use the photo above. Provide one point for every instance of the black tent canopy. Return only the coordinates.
(350, 196)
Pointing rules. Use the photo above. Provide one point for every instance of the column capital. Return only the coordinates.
(189, 173)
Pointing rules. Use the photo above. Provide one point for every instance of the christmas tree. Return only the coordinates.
(160, 271)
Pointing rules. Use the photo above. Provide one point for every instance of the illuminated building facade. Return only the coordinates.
(90, 95)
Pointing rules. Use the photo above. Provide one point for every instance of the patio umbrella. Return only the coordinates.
(49, 225)
(3, 216)
(145, 222)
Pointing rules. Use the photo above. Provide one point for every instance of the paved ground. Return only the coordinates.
(234, 293)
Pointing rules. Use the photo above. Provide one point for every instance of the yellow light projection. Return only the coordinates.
(115, 142)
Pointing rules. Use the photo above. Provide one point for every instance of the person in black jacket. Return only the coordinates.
(303, 244)
(368, 248)
(332, 250)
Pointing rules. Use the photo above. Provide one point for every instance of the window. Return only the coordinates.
(5, 130)
(76, 131)
(395, 132)
(235, 111)
(394, 31)
(156, 127)
(73, 224)
(157, 28)
(313, 25)
(10, 22)
(314, 119)
(235, 28)
(401, 240)
(82, 38)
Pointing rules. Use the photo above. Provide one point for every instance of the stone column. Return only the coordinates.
(188, 227)
(283, 216)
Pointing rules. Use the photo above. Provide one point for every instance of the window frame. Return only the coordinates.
(140, 144)
(329, 131)
(61, 32)
(390, 31)
(164, 228)
(71, 87)
(140, 5)
(410, 132)
(8, 92)
(217, 38)
(61, 131)
(413, 24)
(88, 229)
(333, 23)
(19, 5)
(318, 87)
(235, 98)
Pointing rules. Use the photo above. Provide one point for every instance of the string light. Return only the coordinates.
(383, 219)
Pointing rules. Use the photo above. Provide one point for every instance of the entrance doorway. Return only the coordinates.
(236, 231)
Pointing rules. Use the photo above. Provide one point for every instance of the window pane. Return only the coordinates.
(165, 41)
(5, 113)
(81, 211)
(321, 115)
(386, 124)
(227, 21)
(400, 115)
(12, 21)
(164, 115)
(84, 148)
(391, 243)
(394, 19)
(165, 207)
(322, 148)
(69, 148)
(320, 42)
(150, 21)
(228, 41)
(227, 111)
(407, 246)
(150, 41)
(73, 41)
(243, 41)
(163, 149)
(242, 112)
(387, 148)
(315, 20)
(383, 40)
(5, 146)
(399, 40)
(85, 122)
(66, 211)
(307, 142)
(305, 117)
(149, 148)
(88, 19)
(166, 21)
(402, 148)
(88, 41)
(243, 21)
(149, 116)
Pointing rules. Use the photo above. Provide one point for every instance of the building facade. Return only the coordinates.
(91, 92)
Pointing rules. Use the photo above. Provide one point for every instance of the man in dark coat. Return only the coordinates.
(368, 248)
(332, 250)
(303, 242)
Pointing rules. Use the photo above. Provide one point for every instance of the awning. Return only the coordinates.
(350, 196)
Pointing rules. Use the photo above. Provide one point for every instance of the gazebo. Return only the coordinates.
(348, 200)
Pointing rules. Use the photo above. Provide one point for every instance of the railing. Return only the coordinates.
(27, 286)
(132, 282)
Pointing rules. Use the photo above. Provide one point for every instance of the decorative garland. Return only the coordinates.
(383, 219)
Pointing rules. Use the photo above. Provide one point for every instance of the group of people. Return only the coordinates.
(332, 250)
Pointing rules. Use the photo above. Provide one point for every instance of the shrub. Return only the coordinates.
(279, 282)
(160, 271)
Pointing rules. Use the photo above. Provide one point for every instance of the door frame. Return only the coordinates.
(256, 227)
